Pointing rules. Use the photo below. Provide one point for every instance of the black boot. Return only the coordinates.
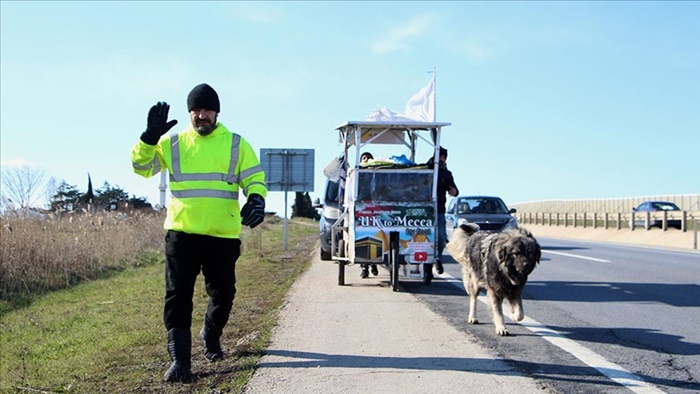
(180, 351)
(211, 335)
(438, 267)
(365, 271)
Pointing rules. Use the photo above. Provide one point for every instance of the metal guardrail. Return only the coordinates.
(618, 220)
(632, 220)
(687, 202)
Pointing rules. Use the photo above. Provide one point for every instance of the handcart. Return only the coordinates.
(389, 212)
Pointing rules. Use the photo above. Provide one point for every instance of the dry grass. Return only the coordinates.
(107, 335)
(38, 256)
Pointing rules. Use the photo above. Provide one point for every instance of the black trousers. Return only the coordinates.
(187, 254)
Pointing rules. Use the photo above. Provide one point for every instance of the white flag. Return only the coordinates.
(421, 107)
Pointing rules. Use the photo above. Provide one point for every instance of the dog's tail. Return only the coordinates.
(457, 247)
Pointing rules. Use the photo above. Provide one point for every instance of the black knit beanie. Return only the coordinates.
(203, 96)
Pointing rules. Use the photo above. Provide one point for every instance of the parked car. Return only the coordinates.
(655, 206)
(331, 210)
(489, 212)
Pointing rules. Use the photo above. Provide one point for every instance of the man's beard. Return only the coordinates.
(204, 127)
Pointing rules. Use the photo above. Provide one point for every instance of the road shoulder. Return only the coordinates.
(363, 336)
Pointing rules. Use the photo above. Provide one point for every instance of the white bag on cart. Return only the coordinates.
(333, 170)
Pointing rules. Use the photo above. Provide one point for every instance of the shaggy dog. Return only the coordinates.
(499, 262)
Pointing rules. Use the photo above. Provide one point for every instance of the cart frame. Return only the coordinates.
(344, 247)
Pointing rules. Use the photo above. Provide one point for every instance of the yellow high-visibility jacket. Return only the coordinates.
(207, 175)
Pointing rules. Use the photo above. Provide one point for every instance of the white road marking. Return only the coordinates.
(587, 356)
(576, 256)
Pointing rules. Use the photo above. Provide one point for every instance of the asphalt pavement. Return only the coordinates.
(363, 337)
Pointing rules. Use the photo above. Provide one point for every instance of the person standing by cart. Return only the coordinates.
(445, 185)
(365, 157)
(210, 169)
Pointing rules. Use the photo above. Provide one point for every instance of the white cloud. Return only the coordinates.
(399, 38)
(16, 163)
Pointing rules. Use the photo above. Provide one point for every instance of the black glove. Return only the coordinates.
(253, 212)
(156, 125)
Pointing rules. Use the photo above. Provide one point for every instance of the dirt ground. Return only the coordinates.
(655, 237)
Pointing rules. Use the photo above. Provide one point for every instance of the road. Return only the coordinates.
(599, 318)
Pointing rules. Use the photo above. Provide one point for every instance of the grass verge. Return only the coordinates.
(107, 335)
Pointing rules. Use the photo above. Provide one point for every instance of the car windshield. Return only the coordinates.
(332, 193)
(665, 206)
(481, 205)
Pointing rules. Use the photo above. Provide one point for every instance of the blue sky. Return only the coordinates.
(547, 100)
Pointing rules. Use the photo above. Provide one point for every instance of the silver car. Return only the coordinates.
(490, 213)
(330, 212)
(655, 206)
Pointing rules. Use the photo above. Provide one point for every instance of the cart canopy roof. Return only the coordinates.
(384, 132)
(398, 126)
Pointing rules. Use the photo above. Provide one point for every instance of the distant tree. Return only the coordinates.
(139, 203)
(89, 196)
(311, 212)
(22, 186)
(302, 207)
(67, 198)
(110, 197)
(5, 204)
(296, 207)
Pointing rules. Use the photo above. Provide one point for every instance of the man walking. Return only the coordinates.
(210, 169)
(446, 185)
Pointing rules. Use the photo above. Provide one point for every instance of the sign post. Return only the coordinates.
(288, 170)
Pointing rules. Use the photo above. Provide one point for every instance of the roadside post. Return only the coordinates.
(288, 170)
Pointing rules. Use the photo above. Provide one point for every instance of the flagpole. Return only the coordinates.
(435, 94)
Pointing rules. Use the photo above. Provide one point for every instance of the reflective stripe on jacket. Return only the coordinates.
(207, 176)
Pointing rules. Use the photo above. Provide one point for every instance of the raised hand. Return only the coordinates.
(157, 123)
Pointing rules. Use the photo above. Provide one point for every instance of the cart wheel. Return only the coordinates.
(341, 273)
(427, 274)
(394, 259)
